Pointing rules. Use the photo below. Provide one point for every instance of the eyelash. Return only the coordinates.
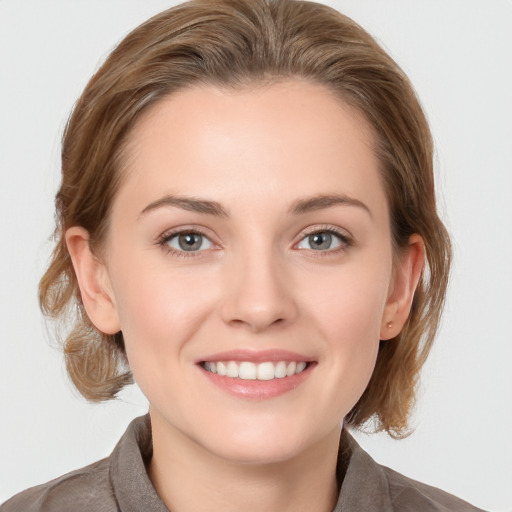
(165, 238)
(346, 241)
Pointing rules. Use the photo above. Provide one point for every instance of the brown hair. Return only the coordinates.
(233, 43)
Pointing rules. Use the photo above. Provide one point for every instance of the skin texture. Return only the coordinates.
(256, 283)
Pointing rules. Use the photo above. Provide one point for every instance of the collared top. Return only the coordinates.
(120, 483)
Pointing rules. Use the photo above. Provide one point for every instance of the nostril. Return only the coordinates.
(257, 305)
(257, 324)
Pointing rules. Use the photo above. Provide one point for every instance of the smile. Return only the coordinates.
(247, 370)
(257, 375)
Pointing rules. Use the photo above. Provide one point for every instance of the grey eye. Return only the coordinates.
(189, 242)
(321, 241)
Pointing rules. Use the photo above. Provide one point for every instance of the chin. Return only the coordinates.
(263, 444)
(261, 453)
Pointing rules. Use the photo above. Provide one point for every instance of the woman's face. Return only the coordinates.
(251, 235)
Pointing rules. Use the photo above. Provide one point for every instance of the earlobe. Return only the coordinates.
(94, 282)
(405, 281)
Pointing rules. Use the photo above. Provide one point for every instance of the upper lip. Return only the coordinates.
(256, 356)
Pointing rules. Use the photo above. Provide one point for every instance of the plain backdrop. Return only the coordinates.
(458, 54)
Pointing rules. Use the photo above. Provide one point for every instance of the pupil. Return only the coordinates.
(320, 240)
(190, 241)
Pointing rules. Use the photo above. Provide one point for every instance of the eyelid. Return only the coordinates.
(170, 233)
(344, 235)
(163, 239)
(321, 228)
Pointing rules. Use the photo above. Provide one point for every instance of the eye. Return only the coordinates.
(188, 241)
(323, 241)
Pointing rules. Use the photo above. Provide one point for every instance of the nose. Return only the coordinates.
(258, 294)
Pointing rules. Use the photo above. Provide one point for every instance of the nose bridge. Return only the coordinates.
(257, 294)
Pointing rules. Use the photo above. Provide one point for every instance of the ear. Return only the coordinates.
(94, 282)
(408, 268)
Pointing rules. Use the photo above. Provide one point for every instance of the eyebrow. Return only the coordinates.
(320, 202)
(191, 204)
(298, 207)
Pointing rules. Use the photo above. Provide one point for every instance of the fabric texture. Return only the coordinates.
(120, 483)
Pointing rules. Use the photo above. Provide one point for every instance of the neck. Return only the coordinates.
(189, 478)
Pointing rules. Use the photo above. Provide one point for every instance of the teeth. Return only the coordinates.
(266, 371)
(221, 368)
(280, 370)
(247, 370)
(290, 370)
(232, 369)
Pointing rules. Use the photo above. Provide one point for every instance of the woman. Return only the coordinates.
(246, 215)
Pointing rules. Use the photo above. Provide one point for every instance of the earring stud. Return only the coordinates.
(389, 325)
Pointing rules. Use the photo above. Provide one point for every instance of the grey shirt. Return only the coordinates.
(120, 483)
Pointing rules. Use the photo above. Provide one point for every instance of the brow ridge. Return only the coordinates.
(298, 207)
(322, 201)
(192, 204)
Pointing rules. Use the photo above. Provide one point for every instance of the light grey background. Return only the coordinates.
(458, 53)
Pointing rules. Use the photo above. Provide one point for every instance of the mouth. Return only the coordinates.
(257, 375)
(247, 370)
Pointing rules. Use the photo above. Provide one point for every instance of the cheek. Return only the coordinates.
(159, 311)
(348, 314)
(350, 304)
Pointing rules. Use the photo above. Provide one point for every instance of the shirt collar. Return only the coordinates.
(363, 482)
(132, 487)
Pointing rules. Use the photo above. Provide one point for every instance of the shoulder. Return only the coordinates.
(371, 487)
(407, 495)
(109, 485)
(86, 489)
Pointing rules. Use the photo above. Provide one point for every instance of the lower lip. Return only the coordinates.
(258, 389)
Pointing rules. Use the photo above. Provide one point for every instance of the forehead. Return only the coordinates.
(285, 139)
